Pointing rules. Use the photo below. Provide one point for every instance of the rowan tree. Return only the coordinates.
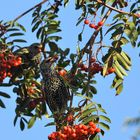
(113, 25)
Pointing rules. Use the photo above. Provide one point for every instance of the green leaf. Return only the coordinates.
(50, 124)
(36, 26)
(124, 40)
(93, 90)
(116, 83)
(52, 31)
(15, 120)
(80, 20)
(2, 104)
(105, 69)
(4, 94)
(31, 121)
(90, 118)
(22, 125)
(119, 89)
(38, 34)
(16, 34)
(116, 26)
(101, 109)
(94, 137)
(89, 105)
(105, 118)
(66, 2)
(104, 125)
(20, 26)
(12, 29)
(66, 52)
(102, 132)
(56, 38)
(80, 37)
(19, 40)
(87, 112)
(53, 46)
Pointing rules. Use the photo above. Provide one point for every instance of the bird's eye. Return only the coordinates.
(36, 47)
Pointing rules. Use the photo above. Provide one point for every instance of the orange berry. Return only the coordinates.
(85, 132)
(91, 25)
(80, 126)
(92, 130)
(100, 23)
(111, 70)
(73, 135)
(69, 130)
(65, 128)
(62, 72)
(30, 91)
(84, 127)
(70, 118)
(98, 130)
(86, 21)
(91, 124)
(9, 74)
(19, 58)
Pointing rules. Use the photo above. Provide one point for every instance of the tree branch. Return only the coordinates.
(23, 14)
(117, 10)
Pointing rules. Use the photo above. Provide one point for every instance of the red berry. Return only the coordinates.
(98, 130)
(62, 72)
(86, 21)
(91, 25)
(65, 128)
(91, 130)
(91, 123)
(74, 135)
(1, 55)
(111, 70)
(19, 58)
(100, 23)
(70, 118)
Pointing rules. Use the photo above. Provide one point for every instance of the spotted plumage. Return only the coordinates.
(57, 93)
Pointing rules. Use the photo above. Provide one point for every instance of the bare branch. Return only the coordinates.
(117, 10)
(23, 14)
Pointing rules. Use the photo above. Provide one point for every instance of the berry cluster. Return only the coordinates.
(76, 132)
(7, 61)
(92, 25)
(95, 67)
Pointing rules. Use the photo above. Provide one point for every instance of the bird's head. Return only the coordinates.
(35, 48)
(46, 66)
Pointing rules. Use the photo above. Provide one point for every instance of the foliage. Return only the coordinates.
(79, 68)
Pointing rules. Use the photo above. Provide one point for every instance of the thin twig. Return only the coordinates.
(23, 14)
(117, 10)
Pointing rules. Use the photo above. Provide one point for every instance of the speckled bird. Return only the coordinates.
(57, 93)
(31, 58)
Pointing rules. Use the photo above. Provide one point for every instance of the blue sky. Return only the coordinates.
(118, 108)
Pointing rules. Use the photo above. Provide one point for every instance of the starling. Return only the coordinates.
(31, 57)
(30, 53)
(56, 92)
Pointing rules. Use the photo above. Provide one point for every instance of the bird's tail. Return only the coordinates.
(58, 121)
